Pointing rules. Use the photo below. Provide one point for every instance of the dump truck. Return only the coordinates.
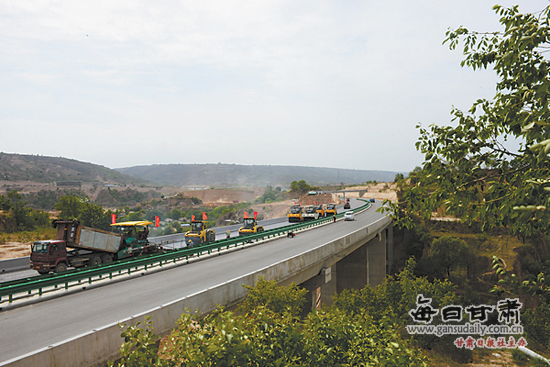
(331, 210)
(78, 246)
(295, 214)
(251, 225)
(310, 212)
(199, 233)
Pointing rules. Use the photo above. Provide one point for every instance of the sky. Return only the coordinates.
(321, 83)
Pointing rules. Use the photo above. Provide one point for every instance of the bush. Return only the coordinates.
(449, 252)
(277, 299)
(270, 334)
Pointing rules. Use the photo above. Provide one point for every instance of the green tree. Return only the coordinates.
(69, 206)
(21, 217)
(447, 253)
(469, 170)
(265, 337)
(90, 214)
(271, 195)
(398, 177)
(299, 187)
(93, 215)
(151, 214)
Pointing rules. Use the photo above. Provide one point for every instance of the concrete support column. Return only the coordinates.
(389, 249)
(352, 270)
(320, 288)
(376, 259)
(366, 265)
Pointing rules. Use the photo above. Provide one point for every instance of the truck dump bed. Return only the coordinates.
(95, 239)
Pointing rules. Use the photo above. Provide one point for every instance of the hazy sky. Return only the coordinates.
(311, 83)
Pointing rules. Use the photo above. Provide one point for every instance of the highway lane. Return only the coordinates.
(172, 241)
(31, 327)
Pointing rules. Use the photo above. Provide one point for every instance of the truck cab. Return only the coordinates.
(49, 255)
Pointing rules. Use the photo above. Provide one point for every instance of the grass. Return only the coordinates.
(488, 245)
(496, 243)
(42, 233)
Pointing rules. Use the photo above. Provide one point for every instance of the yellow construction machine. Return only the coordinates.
(251, 225)
(199, 233)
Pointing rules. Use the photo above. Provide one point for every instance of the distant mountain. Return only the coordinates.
(42, 169)
(233, 175)
(20, 167)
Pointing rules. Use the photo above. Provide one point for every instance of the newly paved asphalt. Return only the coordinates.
(31, 327)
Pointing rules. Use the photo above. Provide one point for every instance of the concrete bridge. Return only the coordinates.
(82, 328)
(359, 192)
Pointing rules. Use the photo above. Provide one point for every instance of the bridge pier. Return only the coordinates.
(320, 288)
(368, 265)
(364, 265)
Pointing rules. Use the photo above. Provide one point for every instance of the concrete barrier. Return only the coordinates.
(97, 346)
(18, 264)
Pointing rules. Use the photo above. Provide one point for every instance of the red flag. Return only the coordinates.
(245, 215)
(310, 202)
(113, 218)
(192, 218)
(255, 215)
(315, 202)
(157, 221)
(204, 217)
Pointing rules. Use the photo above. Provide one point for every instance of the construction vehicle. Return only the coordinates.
(320, 210)
(199, 233)
(295, 214)
(77, 246)
(251, 225)
(331, 210)
(347, 205)
(310, 212)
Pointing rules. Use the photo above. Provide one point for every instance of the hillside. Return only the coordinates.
(233, 175)
(41, 169)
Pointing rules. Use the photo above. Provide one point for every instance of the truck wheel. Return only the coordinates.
(94, 260)
(43, 272)
(61, 267)
(105, 259)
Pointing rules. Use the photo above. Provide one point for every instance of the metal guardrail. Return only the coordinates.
(37, 284)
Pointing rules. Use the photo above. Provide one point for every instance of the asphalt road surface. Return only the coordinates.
(31, 327)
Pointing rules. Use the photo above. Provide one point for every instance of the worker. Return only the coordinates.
(143, 234)
(334, 218)
(290, 234)
(228, 234)
(130, 233)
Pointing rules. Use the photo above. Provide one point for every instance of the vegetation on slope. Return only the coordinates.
(20, 167)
